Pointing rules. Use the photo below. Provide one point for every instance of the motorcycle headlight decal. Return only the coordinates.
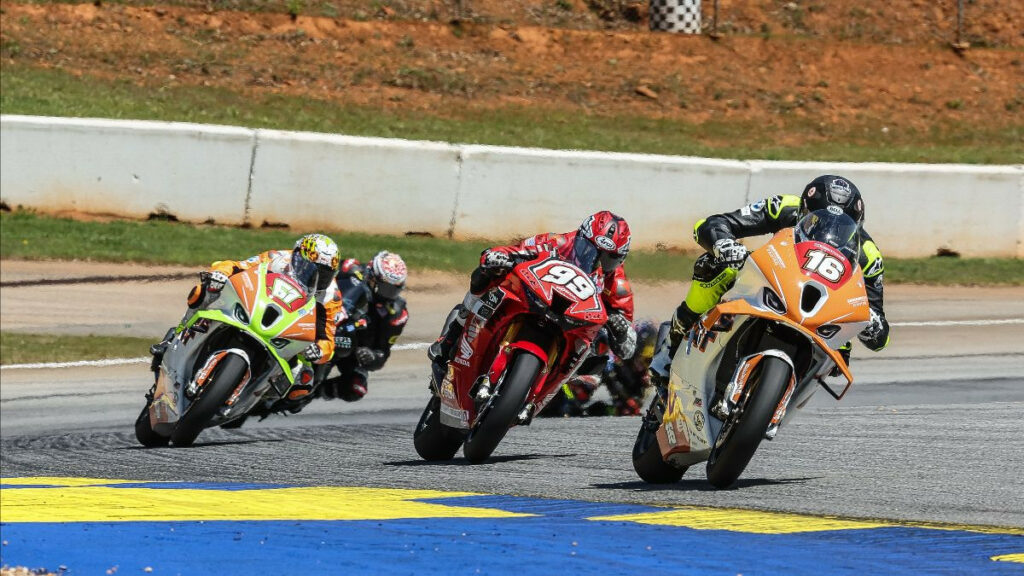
(772, 301)
(241, 315)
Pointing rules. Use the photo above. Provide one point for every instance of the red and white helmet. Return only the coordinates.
(602, 240)
(386, 275)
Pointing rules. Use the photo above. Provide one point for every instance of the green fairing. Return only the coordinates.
(256, 316)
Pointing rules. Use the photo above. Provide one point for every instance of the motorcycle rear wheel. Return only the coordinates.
(433, 440)
(647, 460)
(744, 434)
(501, 411)
(228, 373)
(144, 430)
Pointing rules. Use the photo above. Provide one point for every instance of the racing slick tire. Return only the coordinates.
(226, 377)
(502, 409)
(144, 430)
(743, 432)
(433, 440)
(647, 460)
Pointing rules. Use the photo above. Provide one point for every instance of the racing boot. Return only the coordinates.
(440, 352)
(682, 321)
(158, 350)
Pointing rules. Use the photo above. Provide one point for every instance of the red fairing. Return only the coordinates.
(616, 292)
(570, 314)
(823, 263)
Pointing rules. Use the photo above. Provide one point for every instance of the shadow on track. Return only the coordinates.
(701, 485)
(491, 460)
(212, 443)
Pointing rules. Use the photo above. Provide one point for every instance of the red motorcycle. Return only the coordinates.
(522, 341)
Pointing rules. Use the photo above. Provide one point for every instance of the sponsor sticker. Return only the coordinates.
(749, 209)
(605, 243)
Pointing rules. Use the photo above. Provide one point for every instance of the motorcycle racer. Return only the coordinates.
(598, 247)
(715, 270)
(378, 314)
(312, 263)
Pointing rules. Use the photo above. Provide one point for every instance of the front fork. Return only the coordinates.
(732, 398)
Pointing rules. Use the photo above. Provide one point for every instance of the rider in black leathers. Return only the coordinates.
(377, 314)
(715, 270)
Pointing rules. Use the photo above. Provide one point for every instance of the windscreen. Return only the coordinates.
(833, 227)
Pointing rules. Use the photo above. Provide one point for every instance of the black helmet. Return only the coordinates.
(828, 190)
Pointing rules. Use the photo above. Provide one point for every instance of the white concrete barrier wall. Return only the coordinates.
(915, 209)
(127, 168)
(507, 192)
(347, 183)
(309, 181)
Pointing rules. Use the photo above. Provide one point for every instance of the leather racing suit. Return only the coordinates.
(364, 338)
(711, 279)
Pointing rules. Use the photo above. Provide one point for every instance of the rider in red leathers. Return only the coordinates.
(598, 247)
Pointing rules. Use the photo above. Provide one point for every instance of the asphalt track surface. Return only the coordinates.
(931, 436)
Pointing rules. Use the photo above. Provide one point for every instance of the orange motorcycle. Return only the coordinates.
(769, 343)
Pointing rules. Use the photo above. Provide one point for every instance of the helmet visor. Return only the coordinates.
(584, 254)
(305, 272)
(836, 230)
(383, 290)
(610, 261)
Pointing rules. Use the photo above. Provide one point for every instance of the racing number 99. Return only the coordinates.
(828, 267)
(580, 286)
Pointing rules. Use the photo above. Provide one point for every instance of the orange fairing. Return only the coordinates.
(245, 283)
(786, 274)
(304, 329)
(743, 308)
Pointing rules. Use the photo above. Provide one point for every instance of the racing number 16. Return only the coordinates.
(580, 286)
(828, 267)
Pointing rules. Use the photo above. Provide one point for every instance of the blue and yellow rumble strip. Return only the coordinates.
(92, 526)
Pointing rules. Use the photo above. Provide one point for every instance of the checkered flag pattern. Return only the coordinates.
(679, 16)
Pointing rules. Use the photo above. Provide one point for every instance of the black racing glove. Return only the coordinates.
(623, 336)
(876, 335)
(369, 358)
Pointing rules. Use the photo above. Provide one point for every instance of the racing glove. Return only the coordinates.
(623, 336)
(369, 358)
(730, 253)
(496, 260)
(313, 352)
(216, 281)
(876, 335)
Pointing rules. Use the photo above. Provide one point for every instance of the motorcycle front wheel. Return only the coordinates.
(502, 409)
(144, 430)
(743, 433)
(432, 439)
(647, 460)
(226, 377)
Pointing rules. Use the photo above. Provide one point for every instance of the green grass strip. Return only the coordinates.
(29, 236)
(18, 348)
(25, 89)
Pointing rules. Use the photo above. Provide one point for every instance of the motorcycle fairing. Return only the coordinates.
(246, 307)
(489, 342)
(688, 429)
(245, 297)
